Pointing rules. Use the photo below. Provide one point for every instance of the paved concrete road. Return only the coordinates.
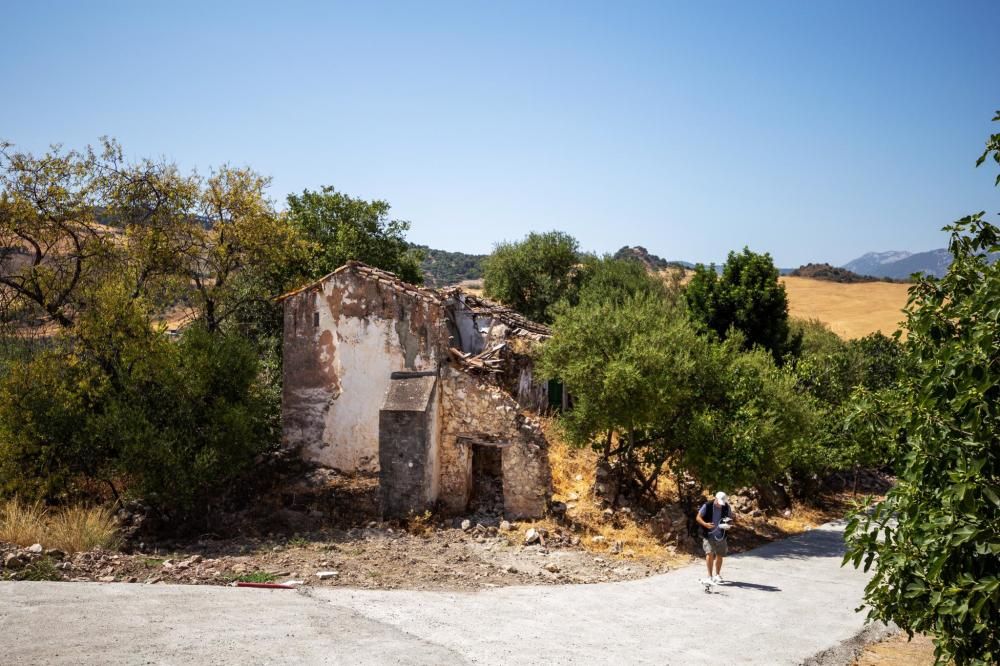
(783, 604)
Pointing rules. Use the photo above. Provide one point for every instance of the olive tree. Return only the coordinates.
(654, 396)
(533, 274)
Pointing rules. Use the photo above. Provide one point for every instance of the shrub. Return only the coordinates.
(71, 528)
(180, 420)
(78, 528)
(22, 523)
(39, 570)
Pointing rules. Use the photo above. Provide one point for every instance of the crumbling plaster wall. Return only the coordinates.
(474, 409)
(344, 337)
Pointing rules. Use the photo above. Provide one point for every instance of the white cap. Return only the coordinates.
(721, 498)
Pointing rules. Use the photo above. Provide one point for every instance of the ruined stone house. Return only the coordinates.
(432, 390)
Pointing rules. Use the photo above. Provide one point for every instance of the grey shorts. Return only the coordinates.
(713, 547)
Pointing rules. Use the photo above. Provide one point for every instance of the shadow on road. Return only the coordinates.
(751, 586)
(816, 543)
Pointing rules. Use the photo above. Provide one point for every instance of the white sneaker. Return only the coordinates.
(717, 579)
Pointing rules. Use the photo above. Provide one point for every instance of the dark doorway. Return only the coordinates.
(487, 480)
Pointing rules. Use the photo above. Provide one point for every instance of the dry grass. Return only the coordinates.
(70, 529)
(899, 651)
(22, 524)
(76, 529)
(850, 310)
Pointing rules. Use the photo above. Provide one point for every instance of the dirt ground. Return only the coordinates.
(456, 554)
(898, 651)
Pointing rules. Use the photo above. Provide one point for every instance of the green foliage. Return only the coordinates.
(92, 388)
(653, 395)
(748, 298)
(254, 577)
(992, 148)
(340, 228)
(39, 570)
(442, 268)
(848, 382)
(178, 420)
(534, 274)
(935, 540)
(611, 280)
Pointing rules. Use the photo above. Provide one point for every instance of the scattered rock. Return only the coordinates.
(106, 579)
(531, 536)
(505, 526)
(787, 513)
(551, 567)
(466, 525)
(13, 561)
(35, 549)
(616, 548)
(55, 554)
(597, 539)
(327, 575)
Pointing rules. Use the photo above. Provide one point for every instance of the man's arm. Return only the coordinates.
(701, 521)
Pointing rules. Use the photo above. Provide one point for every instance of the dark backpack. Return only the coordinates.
(706, 511)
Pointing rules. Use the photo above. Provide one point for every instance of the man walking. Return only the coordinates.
(714, 518)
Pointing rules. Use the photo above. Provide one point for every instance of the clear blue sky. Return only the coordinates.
(815, 131)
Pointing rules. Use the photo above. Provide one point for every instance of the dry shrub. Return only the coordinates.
(70, 529)
(22, 524)
(78, 528)
(420, 524)
(573, 476)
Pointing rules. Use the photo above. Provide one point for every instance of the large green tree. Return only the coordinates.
(746, 297)
(533, 274)
(96, 254)
(654, 396)
(934, 541)
(340, 228)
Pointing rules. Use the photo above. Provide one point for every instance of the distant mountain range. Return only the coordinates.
(899, 265)
(445, 268)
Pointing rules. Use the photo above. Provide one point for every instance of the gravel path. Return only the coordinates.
(783, 603)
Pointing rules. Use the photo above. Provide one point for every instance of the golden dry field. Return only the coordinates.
(850, 310)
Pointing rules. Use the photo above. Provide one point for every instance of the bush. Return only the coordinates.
(70, 529)
(22, 523)
(177, 420)
(848, 382)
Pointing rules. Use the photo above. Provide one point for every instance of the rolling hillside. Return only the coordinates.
(850, 310)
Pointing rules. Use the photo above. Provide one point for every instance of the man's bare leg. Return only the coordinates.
(718, 566)
(708, 560)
